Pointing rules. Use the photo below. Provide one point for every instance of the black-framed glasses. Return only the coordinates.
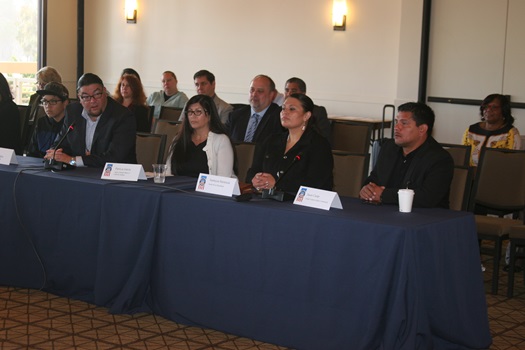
(197, 112)
(45, 102)
(96, 96)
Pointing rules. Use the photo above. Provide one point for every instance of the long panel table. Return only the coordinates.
(364, 277)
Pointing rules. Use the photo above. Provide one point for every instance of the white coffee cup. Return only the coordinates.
(406, 197)
(159, 170)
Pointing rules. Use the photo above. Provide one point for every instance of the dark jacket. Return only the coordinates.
(314, 169)
(429, 174)
(10, 134)
(114, 139)
(269, 124)
(44, 136)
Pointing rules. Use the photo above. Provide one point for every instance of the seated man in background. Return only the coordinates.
(413, 159)
(104, 130)
(298, 86)
(169, 96)
(261, 118)
(205, 84)
(54, 98)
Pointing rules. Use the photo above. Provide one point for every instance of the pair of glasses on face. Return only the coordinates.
(49, 102)
(96, 96)
(197, 112)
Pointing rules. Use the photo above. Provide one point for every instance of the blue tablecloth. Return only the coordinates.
(364, 277)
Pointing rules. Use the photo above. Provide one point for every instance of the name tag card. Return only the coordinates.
(123, 172)
(316, 198)
(7, 156)
(223, 186)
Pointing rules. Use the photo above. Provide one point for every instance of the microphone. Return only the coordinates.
(274, 193)
(51, 163)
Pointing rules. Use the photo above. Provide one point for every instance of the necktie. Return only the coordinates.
(252, 126)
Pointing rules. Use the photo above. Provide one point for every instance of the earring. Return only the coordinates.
(304, 126)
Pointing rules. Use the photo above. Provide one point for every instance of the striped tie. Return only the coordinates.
(252, 127)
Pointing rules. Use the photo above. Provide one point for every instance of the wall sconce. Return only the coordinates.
(131, 11)
(339, 14)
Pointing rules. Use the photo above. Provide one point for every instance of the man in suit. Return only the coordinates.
(103, 130)
(413, 159)
(298, 86)
(261, 118)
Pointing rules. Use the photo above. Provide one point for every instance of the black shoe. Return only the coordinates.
(517, 269)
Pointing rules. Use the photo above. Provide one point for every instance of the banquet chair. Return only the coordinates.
(150, 149)
(517, 250)
(350, 171)
(460, 188)
(460, 153)
(244, 154)
(170, 129)
(500, 189)
(352, 138)
(171, 114)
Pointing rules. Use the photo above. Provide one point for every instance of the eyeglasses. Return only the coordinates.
(49, 102)
(95, 96)
(196, 112)
(491, 107)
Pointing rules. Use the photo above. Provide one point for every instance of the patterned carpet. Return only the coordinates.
(36, 320)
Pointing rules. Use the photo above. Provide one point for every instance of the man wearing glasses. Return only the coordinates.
(99, 129)
(54, 97)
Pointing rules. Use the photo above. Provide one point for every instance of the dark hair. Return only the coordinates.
(183, 139)
(88, 79)
(421, 113)
(300, 82)
(5, 90)
(170, 73)
(270, 81)
(130, 71)
(308, 106)
(138, 95)
(505, 107)
(204, 73)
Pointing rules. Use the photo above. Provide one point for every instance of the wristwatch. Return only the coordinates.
(73, 161)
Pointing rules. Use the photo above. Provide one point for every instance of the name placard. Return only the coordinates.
(223, 186)
(7, 156)
(123, 172)
(316, 198)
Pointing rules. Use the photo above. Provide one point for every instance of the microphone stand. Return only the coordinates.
(52, 164)
(278, 195)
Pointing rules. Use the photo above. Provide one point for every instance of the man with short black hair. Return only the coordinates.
(104, 131)
(205, 85)
(413, 159)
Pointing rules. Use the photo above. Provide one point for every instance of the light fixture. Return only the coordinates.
(339, 14)
(131, 11)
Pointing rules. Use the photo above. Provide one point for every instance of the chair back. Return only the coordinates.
(238, 105)
(244, 153)
(170, 129)
(350, 171)
(460, 153)
(460, 188)
(352, 138)
(500, 180)
(22, 110)
(150, 149)
(171, 114)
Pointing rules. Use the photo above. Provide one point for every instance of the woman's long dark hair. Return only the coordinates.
(182, 140)
(5, 91)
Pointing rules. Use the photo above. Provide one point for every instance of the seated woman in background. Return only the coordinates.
(301, 144)
(10, 118)
(202, 146)
(130, 93)
(495, 130)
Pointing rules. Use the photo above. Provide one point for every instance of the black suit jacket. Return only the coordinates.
(114, 139)
(269, 124)
(314, 169)
(429, 174)
(321, 121)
